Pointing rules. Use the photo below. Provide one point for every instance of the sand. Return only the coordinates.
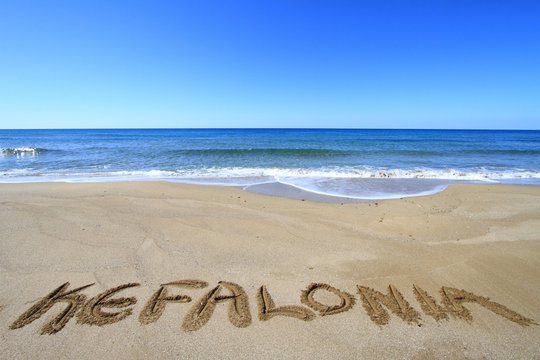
(151, 270)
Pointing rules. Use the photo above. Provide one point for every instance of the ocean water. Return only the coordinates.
(360, 164)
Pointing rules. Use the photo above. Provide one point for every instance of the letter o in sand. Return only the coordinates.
(347, 300)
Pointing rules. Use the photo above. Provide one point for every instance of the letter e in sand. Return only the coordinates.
(91, 313)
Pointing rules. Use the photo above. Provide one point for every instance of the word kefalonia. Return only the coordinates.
(376, 304)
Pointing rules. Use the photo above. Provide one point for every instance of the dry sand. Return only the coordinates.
(200, 272)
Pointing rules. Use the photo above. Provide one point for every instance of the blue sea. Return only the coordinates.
(358, 164)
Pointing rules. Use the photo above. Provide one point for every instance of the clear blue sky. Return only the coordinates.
(352, 64)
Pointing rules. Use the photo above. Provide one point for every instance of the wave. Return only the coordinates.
(324, 152)
(281, 173)
(22, 151)
(286, 152)
(500, 152)
(299, 152)
(361, 192)
(336, 183)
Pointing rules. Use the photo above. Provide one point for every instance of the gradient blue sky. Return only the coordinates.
(351, 64)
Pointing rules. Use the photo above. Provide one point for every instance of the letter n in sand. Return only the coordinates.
(373, 301)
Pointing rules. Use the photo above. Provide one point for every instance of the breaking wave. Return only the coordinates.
(22, 151)
(277, 173)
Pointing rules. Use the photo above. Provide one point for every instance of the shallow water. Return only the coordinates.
(358, 164)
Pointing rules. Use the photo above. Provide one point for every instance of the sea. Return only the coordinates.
(317, 164)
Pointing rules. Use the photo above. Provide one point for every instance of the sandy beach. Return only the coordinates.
(152, 270)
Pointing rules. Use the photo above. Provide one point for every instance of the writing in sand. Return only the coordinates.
(377, 305)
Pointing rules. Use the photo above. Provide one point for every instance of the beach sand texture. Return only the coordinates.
(203, 272)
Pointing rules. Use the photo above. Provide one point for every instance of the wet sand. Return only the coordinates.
(187, 271)
(361, 190)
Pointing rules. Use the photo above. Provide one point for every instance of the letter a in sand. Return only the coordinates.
(202, 311)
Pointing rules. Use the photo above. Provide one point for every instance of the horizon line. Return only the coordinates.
(266, 128)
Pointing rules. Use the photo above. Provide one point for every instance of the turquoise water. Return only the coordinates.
(324, 161)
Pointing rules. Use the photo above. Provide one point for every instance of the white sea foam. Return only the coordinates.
(20, 151)
(230, 174)
(352, 183)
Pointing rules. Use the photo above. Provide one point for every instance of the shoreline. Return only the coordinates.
(387, 189)
(300, 270)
